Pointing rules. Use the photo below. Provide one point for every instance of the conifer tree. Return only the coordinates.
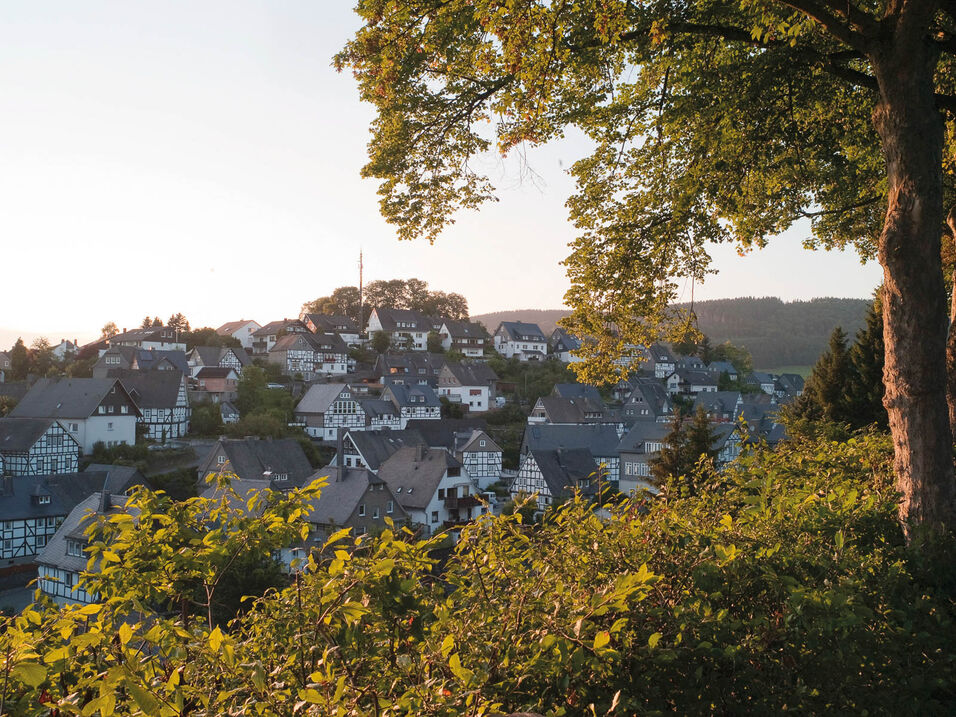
(825, 394)
(19, 361)
(670, 461)
(865, 387)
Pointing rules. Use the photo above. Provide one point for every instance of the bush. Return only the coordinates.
(784, 585)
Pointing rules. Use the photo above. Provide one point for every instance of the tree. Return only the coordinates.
(207, 336)
(381, 341)
(147, 322)
(865, 387)
(687, 454)
(825, 394)
(389, 294)
(710, 123)
(343, 301)
(157, 322)
(41, 356)
(671, 461)
(434, 343)
(109, 330)
(178, 322)
(19, 361)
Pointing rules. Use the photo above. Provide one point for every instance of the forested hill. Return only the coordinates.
(777, 333)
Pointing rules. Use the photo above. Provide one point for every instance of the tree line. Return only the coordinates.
(412, 294)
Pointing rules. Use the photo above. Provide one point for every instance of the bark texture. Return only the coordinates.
(951, 338)
(914, 298)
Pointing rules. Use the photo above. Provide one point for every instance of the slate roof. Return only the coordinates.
(633, 440)
(520, 331)
(323, 343)
(442, 434)
(654, 395)
(150, 389)
(564, 468)
(14, 389)
(562, 341)
(215, 372)
(659, 353)
(64, 397)
(333, 322)
(412, 395)
(376, 408)
(577, 390)
(601, 440)
(414, 472)
(721, 402)
(376, 447)
(211, 355)
(465, 330)
(471, 374)
(231, 327)
(20, 434)
(274, 327)
(144, 359)
(390, 318)
(722, 367)
(320, 397)
(570, 410)
(66, 490)
(250, 458)
(343, 492)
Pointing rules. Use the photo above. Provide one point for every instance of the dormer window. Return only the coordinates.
(43, 499)
(75, 548)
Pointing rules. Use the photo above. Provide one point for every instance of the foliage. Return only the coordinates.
(318, 456)
(207, 336)
(434, 343)
(687, 456)
(531, 379)
(451, 410)
(255, 397)
(262, 424)
(509, 413)
(109, 330)
(206, 419)
(865, 388)
(393, 294)
(381, 341)
(179, 484)
(178, 322)
(786, 586)
(344, 301)
(19, 361)
(7, 404)
(120, 454)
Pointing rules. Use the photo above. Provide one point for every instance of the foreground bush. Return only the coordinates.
(785, 585)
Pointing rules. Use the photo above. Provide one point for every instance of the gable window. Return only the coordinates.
(74, 427)
(390, 506)
(481, 443)
(434, 516)
(375, 513)
(124, 409)
(101, 409)
(74, 548)
(361, 510)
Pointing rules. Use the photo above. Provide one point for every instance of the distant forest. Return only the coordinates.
(777, 333)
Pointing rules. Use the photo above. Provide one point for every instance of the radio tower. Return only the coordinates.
(361, 297)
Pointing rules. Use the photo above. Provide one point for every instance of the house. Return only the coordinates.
(648, 400)
(370, 449)
(93, 410)
(353, 498)
(562, 344)
(600, 441)
(413, 402)
(660, 360)
(264, 338)
(327, 407)
(137, 359)
(241, 330)
(788, 386)
(310, 355)
(160, 338)
(432, 487)
(228, 412)
(721, 406)
(281, 461)
(468, 441)
(36, 446)
(521, 340)
(472, 385)
(553, 474)
(567, 411)
(162, 400)
(724, 367)
(380, 414)
(5, 362)
(344, 327)
(690, 382)
(217, 357)
(216, 384)
(32, 507)
(464, 337)
(64, 559)
(691, 362)
(639, 446)
(765, 381)
(406, 329)
(66, 349)
(410, 368)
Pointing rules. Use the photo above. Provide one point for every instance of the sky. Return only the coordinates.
(205, 158)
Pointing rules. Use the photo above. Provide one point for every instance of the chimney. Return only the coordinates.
(419, 452)
(124, 329)
(6, 485)
(340, 449)
(105, 503)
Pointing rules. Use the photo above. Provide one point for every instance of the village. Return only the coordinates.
(405, 419)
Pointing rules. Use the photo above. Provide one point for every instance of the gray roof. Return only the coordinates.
(250, 458)
(564, 468)
(412, 395)
(390, 318)
(333, 322)
(722, 367)
(342, 494)
(659, 353)
(231, 327)
(213, 355)
(577, 390)
(520, 331)
(65, 397)
(571, 410)
(151, 389)
(601, 440)
(65, 490)
(320, 397)
(414, 472)
(445, 433)
(20, 434)
(465, 330)
(215, 372)
(561, 340)
(376, 447)
(316, 342)
(376, 407)
(633, 440)
(471, 374)
(74, 526)
(274, 327)
(718, 401)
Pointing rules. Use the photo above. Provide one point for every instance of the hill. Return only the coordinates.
(777, 333)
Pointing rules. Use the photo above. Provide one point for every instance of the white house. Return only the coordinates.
(471, 385)
(36, 446)
(407, 329)
(310, 355)
(526, 341)
(327, 407)
(241, 330)
(160, 338)
(418, 402)
(552, 474)
(92, 409)
(465, 337)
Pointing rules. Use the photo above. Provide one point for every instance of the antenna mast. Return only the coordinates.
(361, 296)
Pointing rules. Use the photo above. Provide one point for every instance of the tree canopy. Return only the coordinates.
(710, 122)
(411, 294)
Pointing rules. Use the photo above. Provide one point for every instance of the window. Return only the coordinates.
(481, 443)
(43, 499)
(124, 409)
(109, 426)
(361, 510)
(101, 409)
(375, 513)
(398, 490)
(74, 548)
(390, 506)
(434, 516)
(111, 409)
(41, 541)
(441, 494)
(74, 427)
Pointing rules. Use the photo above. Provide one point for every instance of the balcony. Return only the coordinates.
(454, 502)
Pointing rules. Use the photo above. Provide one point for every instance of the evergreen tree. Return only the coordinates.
(19, 361)
(147, 322)
(865, 388)
(700, 437)
(671, 461)
(825, 395)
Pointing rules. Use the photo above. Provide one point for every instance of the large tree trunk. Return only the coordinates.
(914, 301)
(951, 338)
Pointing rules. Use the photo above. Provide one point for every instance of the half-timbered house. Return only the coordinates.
(36, 446)
(162, 400)
(553, 474)
(413, 402)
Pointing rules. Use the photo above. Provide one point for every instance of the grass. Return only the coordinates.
(802, 370)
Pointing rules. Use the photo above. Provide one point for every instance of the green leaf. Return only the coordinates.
(601, 639)
(447, 645)
(30, 673)
(838, 540)
(149, 704)
(215, 639)
(654, 639)
(125, 633)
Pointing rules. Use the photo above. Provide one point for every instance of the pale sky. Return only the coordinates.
(204, 157)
